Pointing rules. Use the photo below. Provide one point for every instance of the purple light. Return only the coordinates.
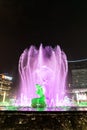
(47, 67)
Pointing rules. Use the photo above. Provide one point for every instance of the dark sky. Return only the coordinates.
(26, 22)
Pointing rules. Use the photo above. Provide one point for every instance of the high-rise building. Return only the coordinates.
(78, 79)
(5, 86)
(78, 74)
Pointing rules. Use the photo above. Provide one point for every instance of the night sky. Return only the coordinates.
(26, 22)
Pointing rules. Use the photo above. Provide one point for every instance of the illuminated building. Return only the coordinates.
(78, 79)
(5, 86)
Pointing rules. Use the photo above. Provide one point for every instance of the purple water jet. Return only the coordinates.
(47, 67)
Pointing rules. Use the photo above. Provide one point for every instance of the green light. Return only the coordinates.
(82, 104)
(11, 108)
(4, 103)
(39, 102)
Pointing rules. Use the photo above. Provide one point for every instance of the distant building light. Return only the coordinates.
(7, 77)
(81, 96)
(69, 85)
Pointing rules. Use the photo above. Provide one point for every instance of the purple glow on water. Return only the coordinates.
(47, 67)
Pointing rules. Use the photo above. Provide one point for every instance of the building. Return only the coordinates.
(5, 86)
(77, 85)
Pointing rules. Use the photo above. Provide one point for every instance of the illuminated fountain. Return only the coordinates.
(46, 67)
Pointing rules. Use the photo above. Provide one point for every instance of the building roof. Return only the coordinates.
(78, 64)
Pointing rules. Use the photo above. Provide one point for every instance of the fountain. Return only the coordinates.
(46, 67)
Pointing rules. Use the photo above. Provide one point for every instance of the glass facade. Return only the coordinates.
(79, 78)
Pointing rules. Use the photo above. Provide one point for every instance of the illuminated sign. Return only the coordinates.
(6, 77)
(81, 96)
